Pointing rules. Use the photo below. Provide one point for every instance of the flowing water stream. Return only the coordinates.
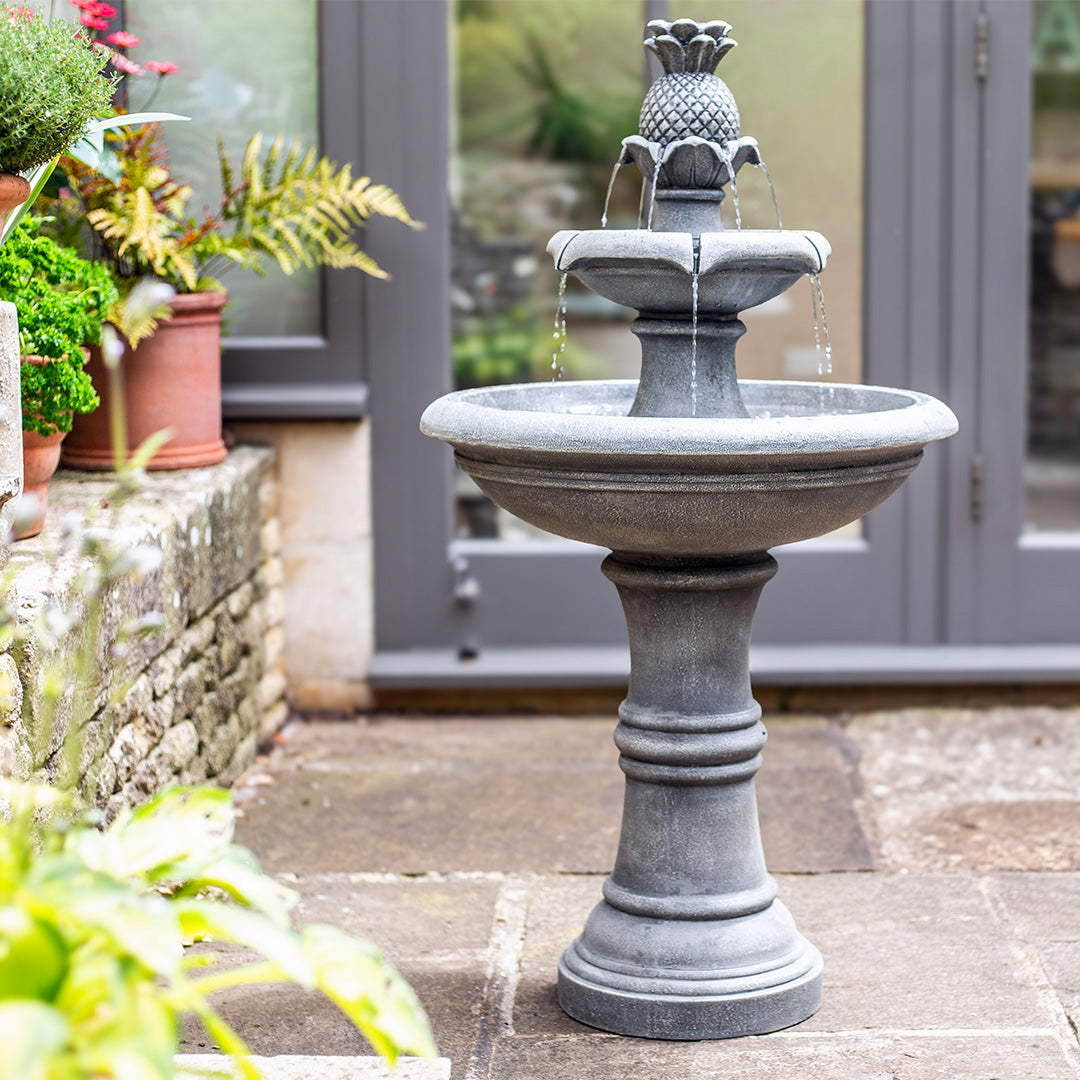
(607, 197)
(772, 190)
(693, 340)
(821, 338)
(652, 191)
(729, 160)
(559, 336)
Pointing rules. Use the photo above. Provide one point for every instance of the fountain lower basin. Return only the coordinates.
(567, 458)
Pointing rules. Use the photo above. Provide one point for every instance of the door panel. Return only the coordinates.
(1027, 546)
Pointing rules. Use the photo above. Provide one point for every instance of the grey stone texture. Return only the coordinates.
(187, 703)
(318, 1067)
(936, 964)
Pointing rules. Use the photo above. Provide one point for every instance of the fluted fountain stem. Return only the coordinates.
(690, 941)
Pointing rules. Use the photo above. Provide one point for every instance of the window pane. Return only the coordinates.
(1052, 471)
(245, 66)
(546, 91)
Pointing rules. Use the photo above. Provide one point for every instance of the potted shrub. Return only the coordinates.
(61, 301)
(283, 206)
(50, 90)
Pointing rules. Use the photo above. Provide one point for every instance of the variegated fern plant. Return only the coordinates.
(285, 206)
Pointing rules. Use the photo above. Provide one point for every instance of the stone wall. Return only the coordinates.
(190, 702)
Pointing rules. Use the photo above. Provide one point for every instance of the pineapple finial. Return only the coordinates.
(687, 45)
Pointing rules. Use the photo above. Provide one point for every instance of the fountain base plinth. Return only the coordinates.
(723, 1002)
(690, 941)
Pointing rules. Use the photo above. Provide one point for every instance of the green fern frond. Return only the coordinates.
(249, 168)
(284, 205)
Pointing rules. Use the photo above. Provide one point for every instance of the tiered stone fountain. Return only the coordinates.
(689, 476)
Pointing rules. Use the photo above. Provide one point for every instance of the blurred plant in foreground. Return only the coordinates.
(95, 920)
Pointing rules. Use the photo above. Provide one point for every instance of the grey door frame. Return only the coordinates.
(901, 604)
(1024, 587)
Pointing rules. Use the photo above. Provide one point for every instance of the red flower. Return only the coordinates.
(162, 67)
(95, 9)
(15, 10)
(123, 40)
(122, 63)
(95, 24)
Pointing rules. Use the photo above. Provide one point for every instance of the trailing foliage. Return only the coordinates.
(95, 974)
(51, 88)
(287, 207)
(62, 301)
(106, 933)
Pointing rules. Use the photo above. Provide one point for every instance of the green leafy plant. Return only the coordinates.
(62, 301)
(285, 206)
(51, 88)
(108, 934)
(93, 923)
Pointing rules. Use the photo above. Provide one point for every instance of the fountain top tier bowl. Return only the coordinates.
(718, 274)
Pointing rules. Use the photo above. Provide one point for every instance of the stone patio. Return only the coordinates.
(932, 855)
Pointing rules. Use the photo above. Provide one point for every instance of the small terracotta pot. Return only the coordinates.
(172, 380)
(41, 455)
(14, 191)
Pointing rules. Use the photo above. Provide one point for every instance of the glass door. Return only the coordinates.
(541, 102)
(1030, 323)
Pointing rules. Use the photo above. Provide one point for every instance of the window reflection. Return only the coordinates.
(1052, 472)
(245, 66)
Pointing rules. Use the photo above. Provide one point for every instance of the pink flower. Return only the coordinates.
(95, 24)
(122, 63)
(15, 11)
(162, 67)
(123, 40)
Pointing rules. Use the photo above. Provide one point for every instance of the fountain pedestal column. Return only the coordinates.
(690, 941)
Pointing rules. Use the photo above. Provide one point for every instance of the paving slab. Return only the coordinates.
(274, 1020)
(982, 1055)
(1044, 910)
(900, 953)
(971, 789)
(912, 952)
(408, 918)
(533, 795)
(1041, 907)
(913, 849)
(315, 1067)
(415, 821)
(405, 741)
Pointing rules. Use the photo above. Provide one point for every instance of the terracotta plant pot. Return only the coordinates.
(14, 191)
(41, 455)
(173, 380)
